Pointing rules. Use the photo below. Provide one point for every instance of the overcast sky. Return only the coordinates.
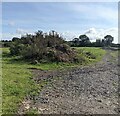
(70, 19)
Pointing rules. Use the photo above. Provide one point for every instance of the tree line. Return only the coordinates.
(84, 41)
(51, 47)
(81, 41)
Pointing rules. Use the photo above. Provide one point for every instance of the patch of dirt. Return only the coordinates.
(85, 90)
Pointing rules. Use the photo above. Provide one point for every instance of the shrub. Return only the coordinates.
(43, 47)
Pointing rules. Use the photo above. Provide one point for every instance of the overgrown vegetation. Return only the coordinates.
(43, 47)
(17, 78)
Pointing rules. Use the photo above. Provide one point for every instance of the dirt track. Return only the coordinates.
(86, 90)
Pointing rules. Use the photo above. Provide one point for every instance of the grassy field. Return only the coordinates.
(17, 82)
(94, 51)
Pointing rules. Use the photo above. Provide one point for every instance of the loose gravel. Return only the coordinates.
(85, 90)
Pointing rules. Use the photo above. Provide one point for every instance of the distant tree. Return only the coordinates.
(15, 39)
(84, 40)
(98, 43)
(6, 43)
(76, 42)
(103, 42)
(108, 39)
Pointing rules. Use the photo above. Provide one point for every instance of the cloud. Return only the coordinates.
(94, 33)
(11, 23)
(21, 31)
(8, 36)
(91, 30)
(69, 35)
(8, 23)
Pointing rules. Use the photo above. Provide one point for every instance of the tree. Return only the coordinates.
(76, 42)
(84, 40)
(15, 39)
(98, 43)
(108, 39)
(6, 43)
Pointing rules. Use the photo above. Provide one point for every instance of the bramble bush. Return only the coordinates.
(43, 47)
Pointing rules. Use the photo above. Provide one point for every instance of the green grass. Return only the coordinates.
(114, 54)
(17, 82)
(32, 112)
(98, 53)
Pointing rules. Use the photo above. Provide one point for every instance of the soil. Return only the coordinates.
(83, 90)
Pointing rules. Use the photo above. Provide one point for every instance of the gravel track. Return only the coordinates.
(87, 90)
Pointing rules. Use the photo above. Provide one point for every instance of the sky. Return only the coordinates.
(69, 19)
